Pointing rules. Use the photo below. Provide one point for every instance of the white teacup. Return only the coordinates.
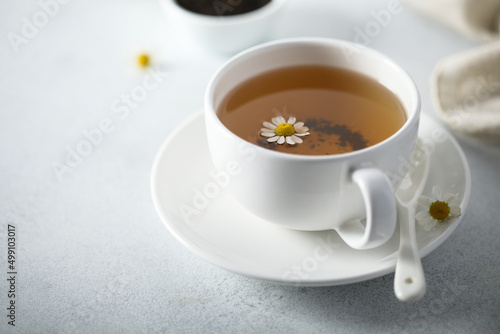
(306, 192)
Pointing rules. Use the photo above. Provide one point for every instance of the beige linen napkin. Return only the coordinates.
(466, 86)
(477, 19)
(466, 91)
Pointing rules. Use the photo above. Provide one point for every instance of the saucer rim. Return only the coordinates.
(381, 269)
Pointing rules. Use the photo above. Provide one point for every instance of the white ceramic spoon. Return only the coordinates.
(409, 280)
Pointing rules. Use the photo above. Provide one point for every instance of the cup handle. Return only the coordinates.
(380, 205)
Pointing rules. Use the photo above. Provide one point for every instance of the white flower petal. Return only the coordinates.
(422, 222)
(453, 200)
(428, 220)
(301, 133)
(289, 140)
(436, 192)
(422, 215)
(298, 126)
(268, 134)
(292, 120)
(273, 139)
(279, 119)
(449, 197)
(267, 130)
(281, 140)
(269, 125)
(425, 201)
(455, 210)
(430, 226)
(275, 121)
(296, 139)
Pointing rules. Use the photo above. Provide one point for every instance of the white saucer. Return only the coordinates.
(202, 216)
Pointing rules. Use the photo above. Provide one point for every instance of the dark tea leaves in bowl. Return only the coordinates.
(222, 7)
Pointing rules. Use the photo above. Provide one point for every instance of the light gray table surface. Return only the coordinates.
(92, 255)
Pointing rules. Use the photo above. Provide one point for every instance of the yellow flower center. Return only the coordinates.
(439, 210)
(143, 60)
(284, 129)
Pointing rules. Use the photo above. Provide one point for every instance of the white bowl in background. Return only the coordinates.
(221, 34)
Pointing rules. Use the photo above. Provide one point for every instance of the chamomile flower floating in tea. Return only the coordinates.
(281, 131)
(438, 209)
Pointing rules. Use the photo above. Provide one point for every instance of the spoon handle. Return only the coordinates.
(409, 280)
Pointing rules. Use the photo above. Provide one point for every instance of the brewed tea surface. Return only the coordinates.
(344, 110)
